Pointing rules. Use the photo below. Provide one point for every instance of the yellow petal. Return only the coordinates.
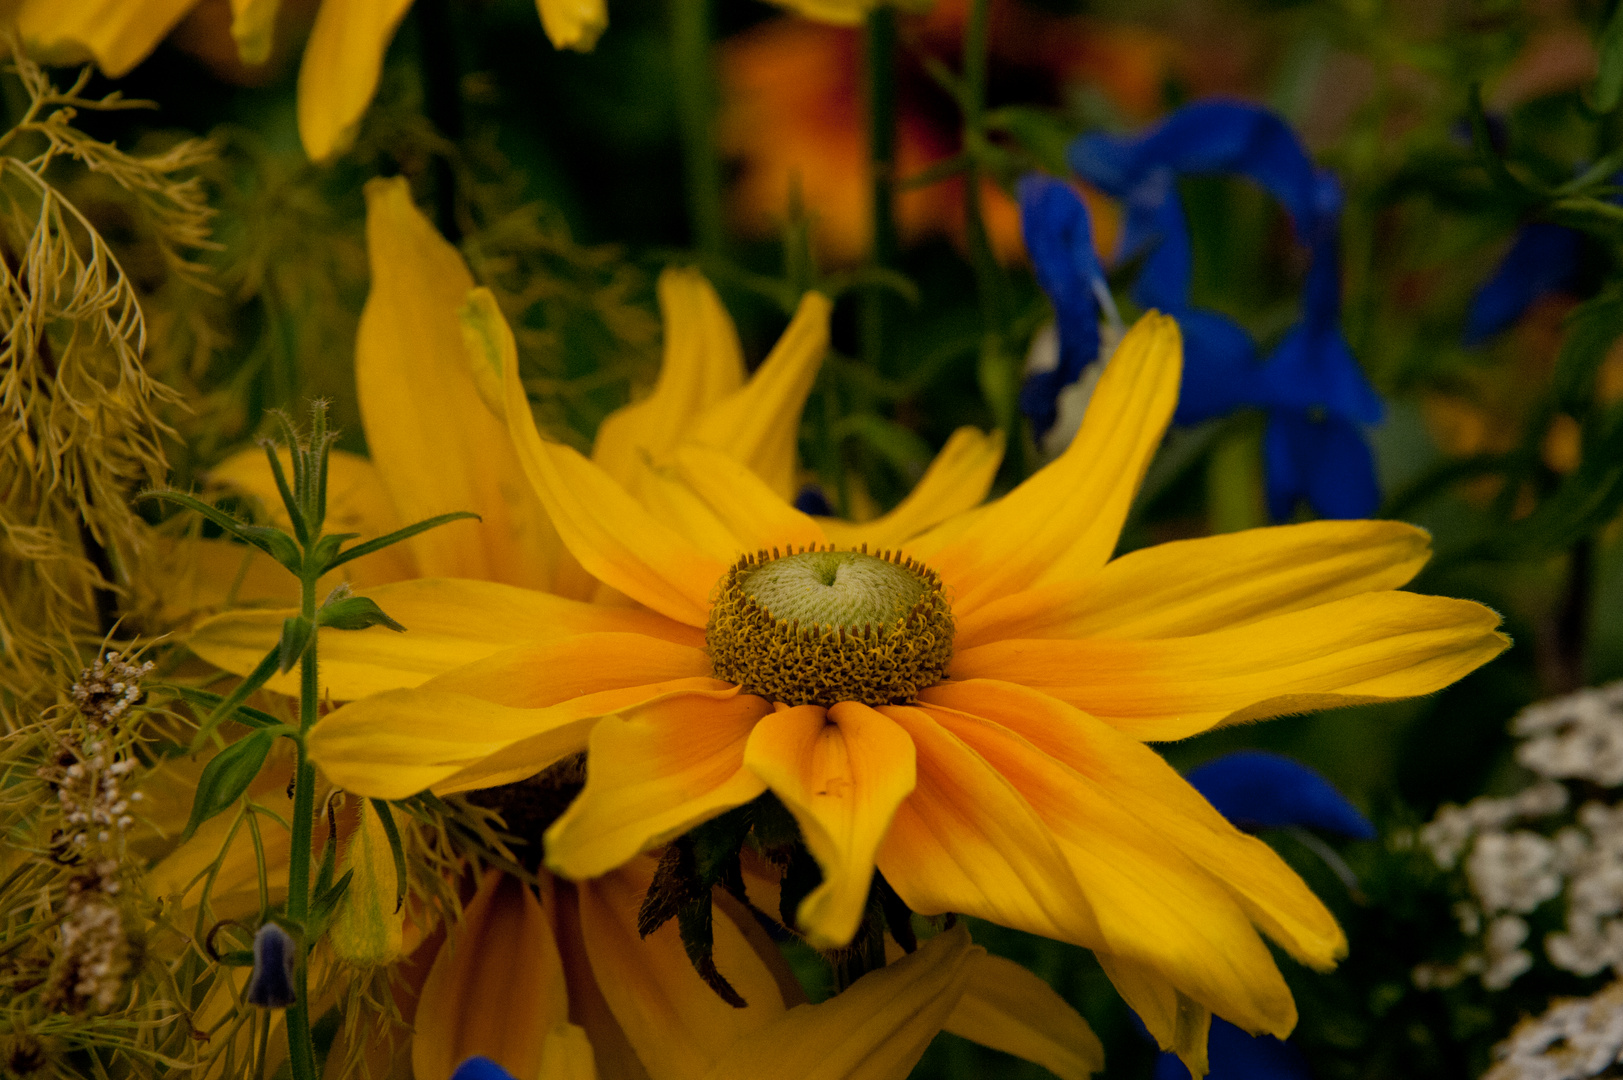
(613, 537)
(567, 1055)
(573, 24)
(1008, 1008)
(253, 28)
(842, 773)
(356, 502)
(1180, 1026)
(190, 574)
(437, 446)
(1153, 905)
(496, 988)
(342, 62)
(448, 623)
(965, 841)
(1063, 522)
(117, 34)
(759, 424)
(1134, 776)
(1368, 648)
(666, 497)
(1214, 583)
(368, 928)
(876, 1030)
(653, 772)
(678, 1026)
(757, 517)
(395, 744)
(957, 480)
(703, 364)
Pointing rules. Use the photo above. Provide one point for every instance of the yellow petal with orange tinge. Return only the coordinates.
(702, 364)
(614, 538)
(1367, 648)
(448, 623)
(759, 424)
(1134, 776)
(356, 502)
(1179, 1025)
(567, 1055)
(965, 841)
(1063, 522)
(546, 673)
(749, 509)
(652, 773)
(342, 62)
(957, 480)
(573, 24)
(437, 447)
(395, 744)
(496, 988)
(116, 34)
(1214, 583)
(1008, 1008)
(841, 773)
(677, 1024)
(877, 1029)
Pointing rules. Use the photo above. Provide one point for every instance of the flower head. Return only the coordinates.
(1017, 788)
(1311, 385)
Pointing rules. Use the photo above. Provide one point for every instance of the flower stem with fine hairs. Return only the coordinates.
(301, 1050)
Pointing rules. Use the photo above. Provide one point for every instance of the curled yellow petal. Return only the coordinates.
(1008, 1008)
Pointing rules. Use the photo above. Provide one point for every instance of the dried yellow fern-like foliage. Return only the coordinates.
(79, 428)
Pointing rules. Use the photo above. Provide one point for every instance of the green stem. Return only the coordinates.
(695, 101)
(881, 70)
(988, 275)
(301, 1050)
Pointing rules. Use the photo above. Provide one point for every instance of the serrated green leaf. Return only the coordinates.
(227, 776)
(296, 631)
(354, 613)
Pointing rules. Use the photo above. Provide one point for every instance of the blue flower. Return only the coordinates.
(271, 985)
(1543, 259)
(480, 1068)
(1259, 790)
(1059, 240)
(1312, 387)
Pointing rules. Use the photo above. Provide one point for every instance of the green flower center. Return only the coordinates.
(820, 627)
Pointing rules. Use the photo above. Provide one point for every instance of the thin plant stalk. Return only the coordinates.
(880, 59)
(695, 108)
(301, 1049)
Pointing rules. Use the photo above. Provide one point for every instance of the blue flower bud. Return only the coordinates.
(272, 984)
(480, 1068)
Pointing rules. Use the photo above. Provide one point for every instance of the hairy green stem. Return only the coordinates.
(880, 50)
(301, 1050)
(695, 105)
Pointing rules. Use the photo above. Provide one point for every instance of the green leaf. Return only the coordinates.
(1590, 330)
(395, 537)
(238, 958)
(323, 903)
(227, 776)
(354, 613)
(1040, 133)
(1609, 80)
(296, 631)
(294, 511)
(204, 699)
(328, 546)
(396, 848)
(273, 542)
(257, 678)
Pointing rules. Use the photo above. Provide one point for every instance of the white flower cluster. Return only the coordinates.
(1574, 1040)
(1511, 868)
(107, 689)
(90, 789)
(94, 959)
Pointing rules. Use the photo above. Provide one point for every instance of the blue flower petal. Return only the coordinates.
(1220, 370)
(1234, 1055)
(1313, 368)
(480, 1068)
(271, 985)
(1059, 240)
(811, 500)
(1323, 460)
(1258, 790)
(1542, 260)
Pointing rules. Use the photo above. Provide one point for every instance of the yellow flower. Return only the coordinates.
(342, 60)
(1013, 784)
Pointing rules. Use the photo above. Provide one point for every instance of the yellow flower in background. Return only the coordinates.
(968, 714)
(343, 58)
